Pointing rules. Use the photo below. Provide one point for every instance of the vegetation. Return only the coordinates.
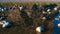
(19, 26)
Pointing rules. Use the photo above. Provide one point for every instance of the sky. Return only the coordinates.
(27, 0)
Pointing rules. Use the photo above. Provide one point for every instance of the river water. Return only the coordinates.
(56, 22)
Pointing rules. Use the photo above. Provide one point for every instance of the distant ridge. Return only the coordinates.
(29, 0)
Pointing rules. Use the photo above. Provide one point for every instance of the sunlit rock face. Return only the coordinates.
(6, 24)
(39, 30)
(21, 8)
(43, 18)
(55, 8)
(48, 10)
(59, 25)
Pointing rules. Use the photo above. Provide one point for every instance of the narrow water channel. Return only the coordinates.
(56, 28)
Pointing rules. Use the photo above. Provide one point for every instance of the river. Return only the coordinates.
(56, 22)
